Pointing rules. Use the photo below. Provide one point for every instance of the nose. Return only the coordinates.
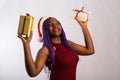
(55, 24)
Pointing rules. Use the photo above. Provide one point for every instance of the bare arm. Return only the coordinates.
(33, 68)
(88, 49)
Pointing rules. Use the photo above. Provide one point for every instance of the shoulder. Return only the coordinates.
(73, 44)
(70, 42)
(44, 50)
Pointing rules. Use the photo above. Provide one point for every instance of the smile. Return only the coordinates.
(55, 30)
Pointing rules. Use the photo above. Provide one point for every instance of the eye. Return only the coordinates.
(53, 24)
(49, 24)
(58, 23)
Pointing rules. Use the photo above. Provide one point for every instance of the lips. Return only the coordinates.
(55, 30)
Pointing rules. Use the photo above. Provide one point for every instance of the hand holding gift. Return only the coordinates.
(82, 15)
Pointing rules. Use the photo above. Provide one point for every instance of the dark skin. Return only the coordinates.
(35, 67)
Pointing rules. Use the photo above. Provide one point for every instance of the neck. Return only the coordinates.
(56, 40)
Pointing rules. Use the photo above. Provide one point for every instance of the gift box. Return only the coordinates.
(26, 24)
(83, 16)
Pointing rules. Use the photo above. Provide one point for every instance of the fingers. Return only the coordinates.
(29, 37)
(76, 18)
(25, 38)
(20, 36)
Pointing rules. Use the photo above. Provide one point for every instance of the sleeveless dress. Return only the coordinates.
(65, 63)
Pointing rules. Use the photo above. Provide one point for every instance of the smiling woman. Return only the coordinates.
(104, 26)
(54, 28)
(58, 54)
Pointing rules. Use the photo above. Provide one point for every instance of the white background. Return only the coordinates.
(104, 26)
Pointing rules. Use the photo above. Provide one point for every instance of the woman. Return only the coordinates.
(58, 54)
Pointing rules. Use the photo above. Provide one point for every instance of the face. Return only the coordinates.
(54, 27)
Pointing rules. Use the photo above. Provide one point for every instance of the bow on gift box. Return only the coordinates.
(82, 15)
(78, 11)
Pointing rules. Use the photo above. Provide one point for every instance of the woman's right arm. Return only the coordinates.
(33, 68)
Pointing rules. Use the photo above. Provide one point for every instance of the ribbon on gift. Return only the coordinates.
(27, 14)
(25, 24)
(78, 11)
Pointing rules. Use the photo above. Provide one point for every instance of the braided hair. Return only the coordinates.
(48, 44)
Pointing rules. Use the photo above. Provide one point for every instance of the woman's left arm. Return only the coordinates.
(88, 49)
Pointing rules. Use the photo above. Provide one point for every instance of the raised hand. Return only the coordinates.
(82, 23)
(26, 39)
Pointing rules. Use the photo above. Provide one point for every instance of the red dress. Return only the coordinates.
(65, 63)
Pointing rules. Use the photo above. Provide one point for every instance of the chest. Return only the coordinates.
(64, 57)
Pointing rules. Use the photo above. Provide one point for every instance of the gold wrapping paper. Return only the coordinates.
(26, 24)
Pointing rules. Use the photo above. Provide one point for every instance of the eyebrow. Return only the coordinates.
(51, 22)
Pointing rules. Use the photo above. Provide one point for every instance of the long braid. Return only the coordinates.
(47, 42)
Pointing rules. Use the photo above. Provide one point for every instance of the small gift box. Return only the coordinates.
(26, 24)
(82, 15)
